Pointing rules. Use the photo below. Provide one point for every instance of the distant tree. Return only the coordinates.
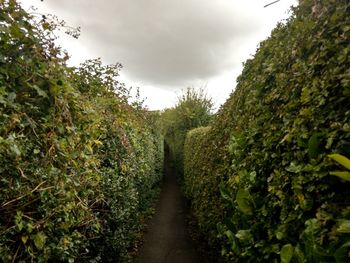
(193, 109)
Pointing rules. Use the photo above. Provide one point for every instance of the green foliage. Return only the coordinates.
(192, 110)
(345, 162)
(199, 183)
(263, 166)
(286, 253)
(244, 202)
(78, 164)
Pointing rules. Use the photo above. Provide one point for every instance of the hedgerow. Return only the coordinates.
(198, 184)
(267, 153)
(78, 164)
(193, 109)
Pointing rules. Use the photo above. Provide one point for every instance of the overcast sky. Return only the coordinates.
(168, 45)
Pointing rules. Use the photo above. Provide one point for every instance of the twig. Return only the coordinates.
(20, 197)
(274, 2)
(23, 205)
(15, 256)
(22, 173)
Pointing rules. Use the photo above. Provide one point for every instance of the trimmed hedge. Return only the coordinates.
(78, 164)
(266, 153)
(199, 182)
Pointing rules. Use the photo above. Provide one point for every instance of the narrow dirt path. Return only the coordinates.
(166, 240)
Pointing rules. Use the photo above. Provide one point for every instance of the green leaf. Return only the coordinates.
(341, 254)
(36, 151)
(39, 240)
(225, 193)
(298, 255)
(286, 253)
(229, 235)
(18, 220)
(343, 175)
(24, 239)
(294, 168)
(343, 226)
(341, 160)
(231, 239)
(243, 235)
(244, 201)
(14, 148)
(40, 92)
(279, 235)
(314, 145)
(11, 97)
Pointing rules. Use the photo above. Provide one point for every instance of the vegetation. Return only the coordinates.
(78, 164)
(192, 110)
(263, 178)
(200, 183)
(267, 177)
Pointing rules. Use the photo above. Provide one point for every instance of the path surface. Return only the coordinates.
(166, 240)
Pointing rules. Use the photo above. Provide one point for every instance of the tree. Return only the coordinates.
(193, 109)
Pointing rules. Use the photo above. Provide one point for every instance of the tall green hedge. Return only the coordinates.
(199, 182)
(267, 152)
(78, 163)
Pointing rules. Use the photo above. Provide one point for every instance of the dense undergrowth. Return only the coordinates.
(79, 164)
(260, 177)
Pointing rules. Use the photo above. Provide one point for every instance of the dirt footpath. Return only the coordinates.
(166, 240)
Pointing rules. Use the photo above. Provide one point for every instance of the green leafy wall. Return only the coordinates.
(78, 164)
(200, 182)
(270, 142)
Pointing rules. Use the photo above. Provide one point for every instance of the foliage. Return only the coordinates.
(198, 185)
(192, 110)
(78, 164)
(345, 162)
(266, 152)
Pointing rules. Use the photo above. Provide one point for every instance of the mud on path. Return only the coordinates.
(167, 240)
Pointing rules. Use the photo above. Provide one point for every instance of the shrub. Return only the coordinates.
(192, 110)
(78, 164)
(270, 143)
(199, 184)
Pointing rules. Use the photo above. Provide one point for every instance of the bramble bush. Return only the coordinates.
(79, 165)
(262, 177)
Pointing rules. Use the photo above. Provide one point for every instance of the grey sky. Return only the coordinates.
(166, 45)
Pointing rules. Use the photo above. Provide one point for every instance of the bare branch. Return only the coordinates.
(20, 197)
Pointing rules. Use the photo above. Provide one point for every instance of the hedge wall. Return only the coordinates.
(267, 152)
(199, 182)
(78, 163)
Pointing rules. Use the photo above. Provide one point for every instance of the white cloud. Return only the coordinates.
(167, 45)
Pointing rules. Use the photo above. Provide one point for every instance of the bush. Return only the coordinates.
(198, 184)
(78, 164)
(192, 110)
(270, 143)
